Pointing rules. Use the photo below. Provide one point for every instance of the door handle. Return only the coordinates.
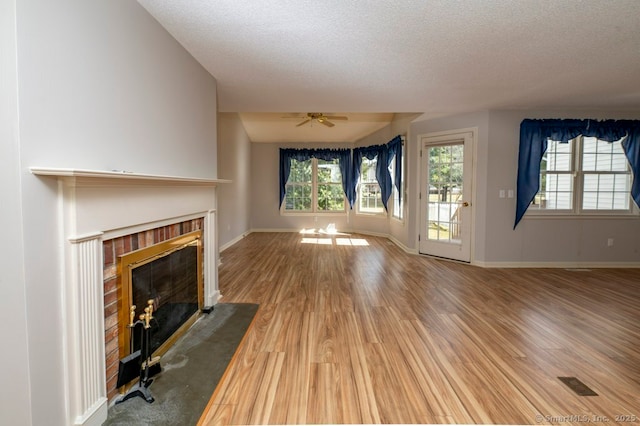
(465, 204)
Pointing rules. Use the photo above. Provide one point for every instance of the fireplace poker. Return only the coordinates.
(132, 315)
(147, 349)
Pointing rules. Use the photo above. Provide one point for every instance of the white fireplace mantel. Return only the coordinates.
(95, 204)
(123, 176)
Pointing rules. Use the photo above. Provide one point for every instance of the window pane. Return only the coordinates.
(606, 191)
(606, 183)
(330, 197)
(556, 178)
(445, 172)
(370, 199)
(621, 200)
(330, 194)
(603, 156)
(619, 163)
(607, 176)
(329, 171)
(557, 157)
(298, 197)
(299, 186)
(300, 171)
(590, 200)
(556, 192)
(605, 200)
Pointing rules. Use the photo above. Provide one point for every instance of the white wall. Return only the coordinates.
(535, 242)
(14, 392)
(479, 120)
(234, 155)
(101, 86)
(579, 241)
(265, 213)
(401, 230)
(106, 83)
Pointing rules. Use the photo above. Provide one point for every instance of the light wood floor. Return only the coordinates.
(354, 330)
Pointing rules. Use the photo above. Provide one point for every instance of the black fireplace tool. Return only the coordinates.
(139, 362)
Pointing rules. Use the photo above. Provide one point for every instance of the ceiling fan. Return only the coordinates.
(321, 118)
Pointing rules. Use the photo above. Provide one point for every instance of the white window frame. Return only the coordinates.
(314, 198)
(359, 211)
(577, 173)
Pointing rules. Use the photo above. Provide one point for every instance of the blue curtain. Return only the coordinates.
(344, 162)
(533, 144)
(395, 151)
(385, 153)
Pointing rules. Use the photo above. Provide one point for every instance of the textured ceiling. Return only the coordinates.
(433, 57)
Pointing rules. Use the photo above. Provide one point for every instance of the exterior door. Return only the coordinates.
(445, 195)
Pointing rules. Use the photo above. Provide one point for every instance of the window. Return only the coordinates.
(606, 176)
(299, 187)
(330, 196)
(600, 182)
(314, 186)
(585, 175)
(369, 195)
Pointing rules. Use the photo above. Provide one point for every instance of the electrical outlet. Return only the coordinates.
(609, 242)
(510, 193)
(501, 193)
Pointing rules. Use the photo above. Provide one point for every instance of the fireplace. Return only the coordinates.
(168, 276)
(163, 265)
(102, 216)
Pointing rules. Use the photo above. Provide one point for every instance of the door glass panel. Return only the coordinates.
(445, 192)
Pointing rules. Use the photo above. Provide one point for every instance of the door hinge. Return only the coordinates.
(418, 237)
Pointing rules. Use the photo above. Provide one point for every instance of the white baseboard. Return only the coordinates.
(558, 265)
(94, 416)
(232, 242)
(406, 249)
(213, 299)
(273, 230)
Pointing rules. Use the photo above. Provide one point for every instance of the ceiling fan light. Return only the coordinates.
(320, 118)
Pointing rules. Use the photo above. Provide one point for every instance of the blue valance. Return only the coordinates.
(288, 154)
(533, 144)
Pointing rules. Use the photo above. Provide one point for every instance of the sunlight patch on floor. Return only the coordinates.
(323, 241)
(351, 242)
(330, 236)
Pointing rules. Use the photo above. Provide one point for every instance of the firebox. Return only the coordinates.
(166, 277)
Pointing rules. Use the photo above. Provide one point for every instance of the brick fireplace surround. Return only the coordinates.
(101, 215)
(112, 249)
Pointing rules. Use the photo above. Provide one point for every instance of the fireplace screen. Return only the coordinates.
(169, 277)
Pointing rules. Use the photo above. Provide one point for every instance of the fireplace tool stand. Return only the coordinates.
(141, 388)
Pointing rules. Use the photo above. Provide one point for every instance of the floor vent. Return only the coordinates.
(577, 386)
